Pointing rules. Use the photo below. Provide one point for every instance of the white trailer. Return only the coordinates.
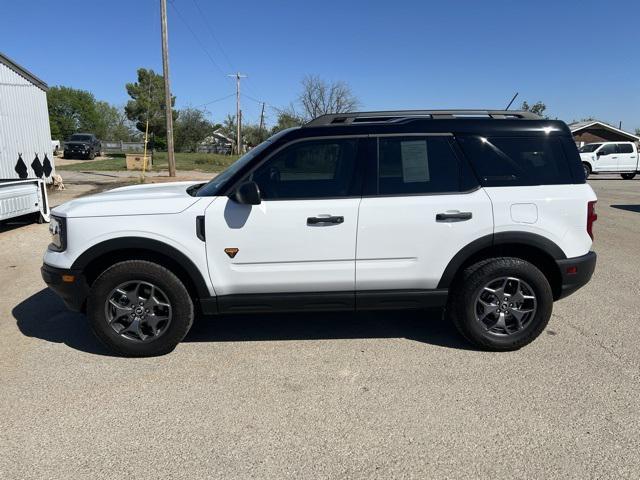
(26, 154)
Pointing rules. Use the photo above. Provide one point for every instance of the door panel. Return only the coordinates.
(607, 159)
(277, 250)
(415, 218)
(401, 245)
(627, 158)
(302, 236)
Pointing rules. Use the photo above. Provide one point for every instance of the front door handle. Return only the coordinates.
(453, 216)
(325, 219)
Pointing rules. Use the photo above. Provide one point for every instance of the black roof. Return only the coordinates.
(23, 72)
(399, 115)
(470, 122)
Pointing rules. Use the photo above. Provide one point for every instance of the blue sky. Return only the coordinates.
(580, 57)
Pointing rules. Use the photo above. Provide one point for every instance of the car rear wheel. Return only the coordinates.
(501, 304)
(587, 170)
(138, 309)
(628, 176)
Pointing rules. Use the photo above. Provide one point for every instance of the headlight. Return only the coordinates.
(58, 230)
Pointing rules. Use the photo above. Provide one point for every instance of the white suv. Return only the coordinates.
(484, 213)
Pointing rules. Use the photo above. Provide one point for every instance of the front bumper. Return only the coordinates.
(576, 272)
(70, 285)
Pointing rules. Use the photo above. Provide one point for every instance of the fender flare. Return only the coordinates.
(495, 240)
(148, 244)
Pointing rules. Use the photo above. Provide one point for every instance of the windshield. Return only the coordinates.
(214, 186)
(589, 147)
(80, 138)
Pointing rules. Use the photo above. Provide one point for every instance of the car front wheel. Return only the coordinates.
(501, 304)
(138, 308)
(628, 176)
(587, 170)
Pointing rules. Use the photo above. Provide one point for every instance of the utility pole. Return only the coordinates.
(167, 91)
(262, 118)
(238, 76)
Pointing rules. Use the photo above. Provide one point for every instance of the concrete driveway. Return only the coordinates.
(377, 395)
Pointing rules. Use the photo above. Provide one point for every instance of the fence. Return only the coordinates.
(122, 147)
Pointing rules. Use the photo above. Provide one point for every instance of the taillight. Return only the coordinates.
(591, 217)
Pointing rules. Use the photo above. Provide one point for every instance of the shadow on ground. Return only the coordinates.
(629, 208)
(17, 222)
(44, 316)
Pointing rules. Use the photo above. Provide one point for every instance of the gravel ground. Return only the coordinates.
(377, 395)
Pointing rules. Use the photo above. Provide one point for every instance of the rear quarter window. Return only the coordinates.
(515, 161)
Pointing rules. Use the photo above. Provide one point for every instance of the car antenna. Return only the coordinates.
(514, 97)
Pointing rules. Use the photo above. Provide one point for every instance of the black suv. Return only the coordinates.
(83, 145)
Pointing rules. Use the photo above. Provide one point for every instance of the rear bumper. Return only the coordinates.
(73, 292)
(576, 272)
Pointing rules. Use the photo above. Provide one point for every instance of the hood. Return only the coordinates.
(587, 156)
(152, 199)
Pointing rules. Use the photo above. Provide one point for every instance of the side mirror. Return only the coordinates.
(599, 153)
(247, 193)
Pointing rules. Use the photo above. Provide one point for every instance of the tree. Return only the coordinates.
(638, 132)
(253, 135)
(71, 111)
(538, 108)
(147, 102)
(319, 97)
(113, 123)
(229, 129)
(191, 128)
(287, 119)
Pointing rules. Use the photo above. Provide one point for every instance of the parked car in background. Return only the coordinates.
(610, 157)
(83, 145)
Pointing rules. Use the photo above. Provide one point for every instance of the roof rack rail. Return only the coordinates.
(398, 115)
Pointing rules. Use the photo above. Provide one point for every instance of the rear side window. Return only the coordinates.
(415, 164)
(513, 161)
(625, 148)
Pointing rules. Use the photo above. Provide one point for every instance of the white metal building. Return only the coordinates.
(26, 157)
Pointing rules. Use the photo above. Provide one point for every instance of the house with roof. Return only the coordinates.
(594, 131)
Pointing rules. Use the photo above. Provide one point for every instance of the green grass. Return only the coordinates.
(203, 162)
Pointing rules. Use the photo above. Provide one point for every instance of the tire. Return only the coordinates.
(587, 169)
(91, 155)
(628, 176)
(465, 310)
(120, 336)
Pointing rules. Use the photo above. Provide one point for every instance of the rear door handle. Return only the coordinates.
(453, 216)
(325, 219)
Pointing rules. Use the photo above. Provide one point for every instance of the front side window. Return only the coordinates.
(589, 147)
(625, 148)
(310, 169)
(416, 164)
(513, 161)
(608, 149)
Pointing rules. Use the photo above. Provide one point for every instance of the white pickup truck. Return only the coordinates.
(610, 157)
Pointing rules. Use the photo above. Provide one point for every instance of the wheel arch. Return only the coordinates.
(99, 257)
(536, 249)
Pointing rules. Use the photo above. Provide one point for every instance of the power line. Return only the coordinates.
(204, 18)
(204, 49)
(216, 100)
